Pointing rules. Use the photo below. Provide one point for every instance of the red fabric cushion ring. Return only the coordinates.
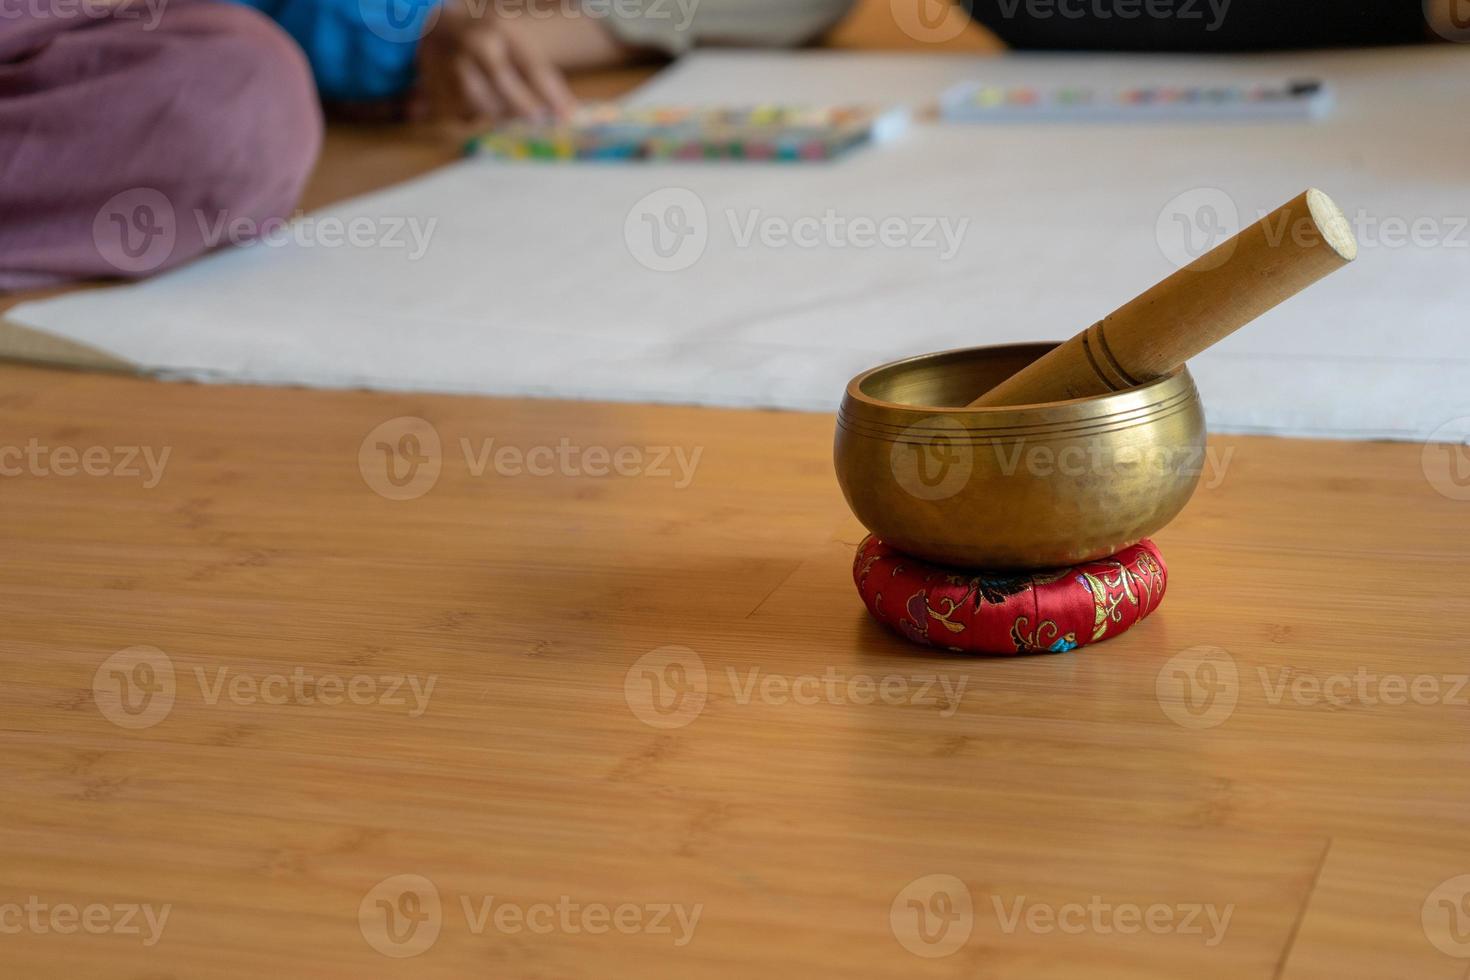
(1009, 612)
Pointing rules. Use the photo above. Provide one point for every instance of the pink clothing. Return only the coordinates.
(129, 137)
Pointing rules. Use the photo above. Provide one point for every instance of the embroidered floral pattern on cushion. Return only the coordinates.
(999, 612)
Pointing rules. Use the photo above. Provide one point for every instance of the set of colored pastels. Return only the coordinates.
(762, 133)
(979, 102)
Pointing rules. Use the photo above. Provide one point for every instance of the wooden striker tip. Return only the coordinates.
(1332, 224)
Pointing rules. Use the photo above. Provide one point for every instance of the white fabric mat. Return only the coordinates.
(535, 279)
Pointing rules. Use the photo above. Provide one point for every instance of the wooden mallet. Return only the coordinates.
(1205, 301)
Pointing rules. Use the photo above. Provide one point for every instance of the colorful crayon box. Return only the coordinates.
(982, 102)
(759, 133)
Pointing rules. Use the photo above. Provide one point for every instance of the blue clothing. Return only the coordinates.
(360, 50)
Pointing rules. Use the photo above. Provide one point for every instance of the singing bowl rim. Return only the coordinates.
(1145, 403)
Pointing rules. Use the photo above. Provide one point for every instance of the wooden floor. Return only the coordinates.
(258, 718)
(1321, 813)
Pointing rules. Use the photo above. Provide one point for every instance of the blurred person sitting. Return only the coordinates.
(490, 59)
(129, 129)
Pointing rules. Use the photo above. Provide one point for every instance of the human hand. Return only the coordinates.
(488, 60)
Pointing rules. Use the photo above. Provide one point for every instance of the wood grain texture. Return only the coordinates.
(792, 818)
(794, 823)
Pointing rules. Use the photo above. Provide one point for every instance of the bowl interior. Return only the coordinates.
(952, 379)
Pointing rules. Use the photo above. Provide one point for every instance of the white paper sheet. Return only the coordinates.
(532, 284)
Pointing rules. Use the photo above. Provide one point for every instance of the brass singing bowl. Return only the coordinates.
(1026, 486)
